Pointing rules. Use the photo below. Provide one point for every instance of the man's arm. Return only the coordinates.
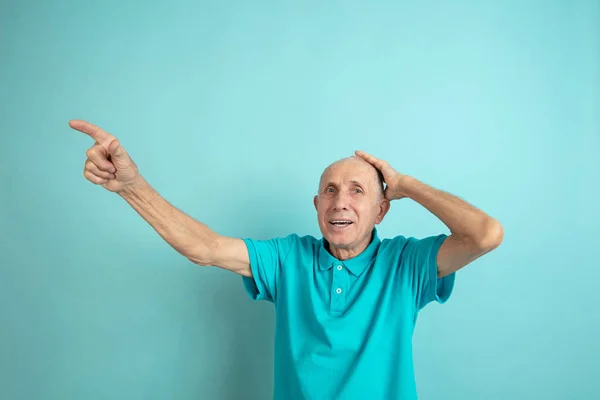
(473, 232)
(191, 238)
(108, 164)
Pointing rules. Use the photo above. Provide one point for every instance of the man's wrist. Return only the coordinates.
(133, 188)
(402, 187)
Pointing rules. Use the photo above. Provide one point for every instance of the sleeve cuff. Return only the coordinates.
(254, 288)
(440, 289)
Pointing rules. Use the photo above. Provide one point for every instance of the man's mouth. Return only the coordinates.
(340, 222)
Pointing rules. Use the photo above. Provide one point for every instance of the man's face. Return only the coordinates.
(349, 203)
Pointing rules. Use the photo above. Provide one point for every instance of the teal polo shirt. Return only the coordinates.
(344, 328)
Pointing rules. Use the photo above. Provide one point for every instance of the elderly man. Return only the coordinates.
(346, 304)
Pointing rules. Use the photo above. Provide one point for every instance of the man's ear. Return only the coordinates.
(316, 198)
(384, 207)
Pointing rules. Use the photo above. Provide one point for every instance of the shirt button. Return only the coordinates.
(338, 290)
(339, 267)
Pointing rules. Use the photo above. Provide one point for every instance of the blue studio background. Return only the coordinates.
(231, 110)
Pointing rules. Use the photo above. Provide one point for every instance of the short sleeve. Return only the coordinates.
(266, 259)
(419, 256)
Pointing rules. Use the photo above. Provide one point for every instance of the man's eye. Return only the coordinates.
(358, 190)
(329, 190)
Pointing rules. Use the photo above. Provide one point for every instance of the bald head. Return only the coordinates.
(356, 168)
(349, 203)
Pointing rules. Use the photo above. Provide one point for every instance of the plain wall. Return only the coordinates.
(231, 110)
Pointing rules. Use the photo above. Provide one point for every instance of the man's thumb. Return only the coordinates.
(117, 152)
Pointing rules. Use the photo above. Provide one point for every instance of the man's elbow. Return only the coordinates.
(492, 236)
(203, 251)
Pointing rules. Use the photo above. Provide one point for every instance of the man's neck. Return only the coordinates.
(346, 253)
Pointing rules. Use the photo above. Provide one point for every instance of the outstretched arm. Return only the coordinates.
(109, 165)
(473, 232)
(189, 237)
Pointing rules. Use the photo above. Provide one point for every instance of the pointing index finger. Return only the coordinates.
(93, 131)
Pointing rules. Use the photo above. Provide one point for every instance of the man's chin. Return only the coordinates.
(338, 239)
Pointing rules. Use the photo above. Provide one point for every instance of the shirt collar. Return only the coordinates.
(357, 264)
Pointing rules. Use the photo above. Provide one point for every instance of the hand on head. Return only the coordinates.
(394, 180)
(107, 164)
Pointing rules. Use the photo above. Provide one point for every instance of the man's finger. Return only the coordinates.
(369, 158)
(92, 130)
(94, 170)
(99, 156)
(383, 166)
(93, 178)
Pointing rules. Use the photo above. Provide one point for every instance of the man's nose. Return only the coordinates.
(341, 201)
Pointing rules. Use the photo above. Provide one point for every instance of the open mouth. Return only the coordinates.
(340, 223)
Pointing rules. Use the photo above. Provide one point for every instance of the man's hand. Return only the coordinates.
(394, 180)
(107, 164)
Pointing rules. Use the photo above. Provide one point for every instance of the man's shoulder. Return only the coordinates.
(401, 243)
(294, 247)
(405, 247)
(304, 242)
(396, 243)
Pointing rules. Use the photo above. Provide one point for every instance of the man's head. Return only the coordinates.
(349, 203)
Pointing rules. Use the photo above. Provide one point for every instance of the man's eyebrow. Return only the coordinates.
(355, 182)
(352, 181)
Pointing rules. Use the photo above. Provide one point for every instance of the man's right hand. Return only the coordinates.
(107, 164)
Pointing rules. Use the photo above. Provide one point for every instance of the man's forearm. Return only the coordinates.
(188, 236)
(460, 217)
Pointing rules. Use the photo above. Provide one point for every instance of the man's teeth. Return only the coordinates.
(341, 222)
